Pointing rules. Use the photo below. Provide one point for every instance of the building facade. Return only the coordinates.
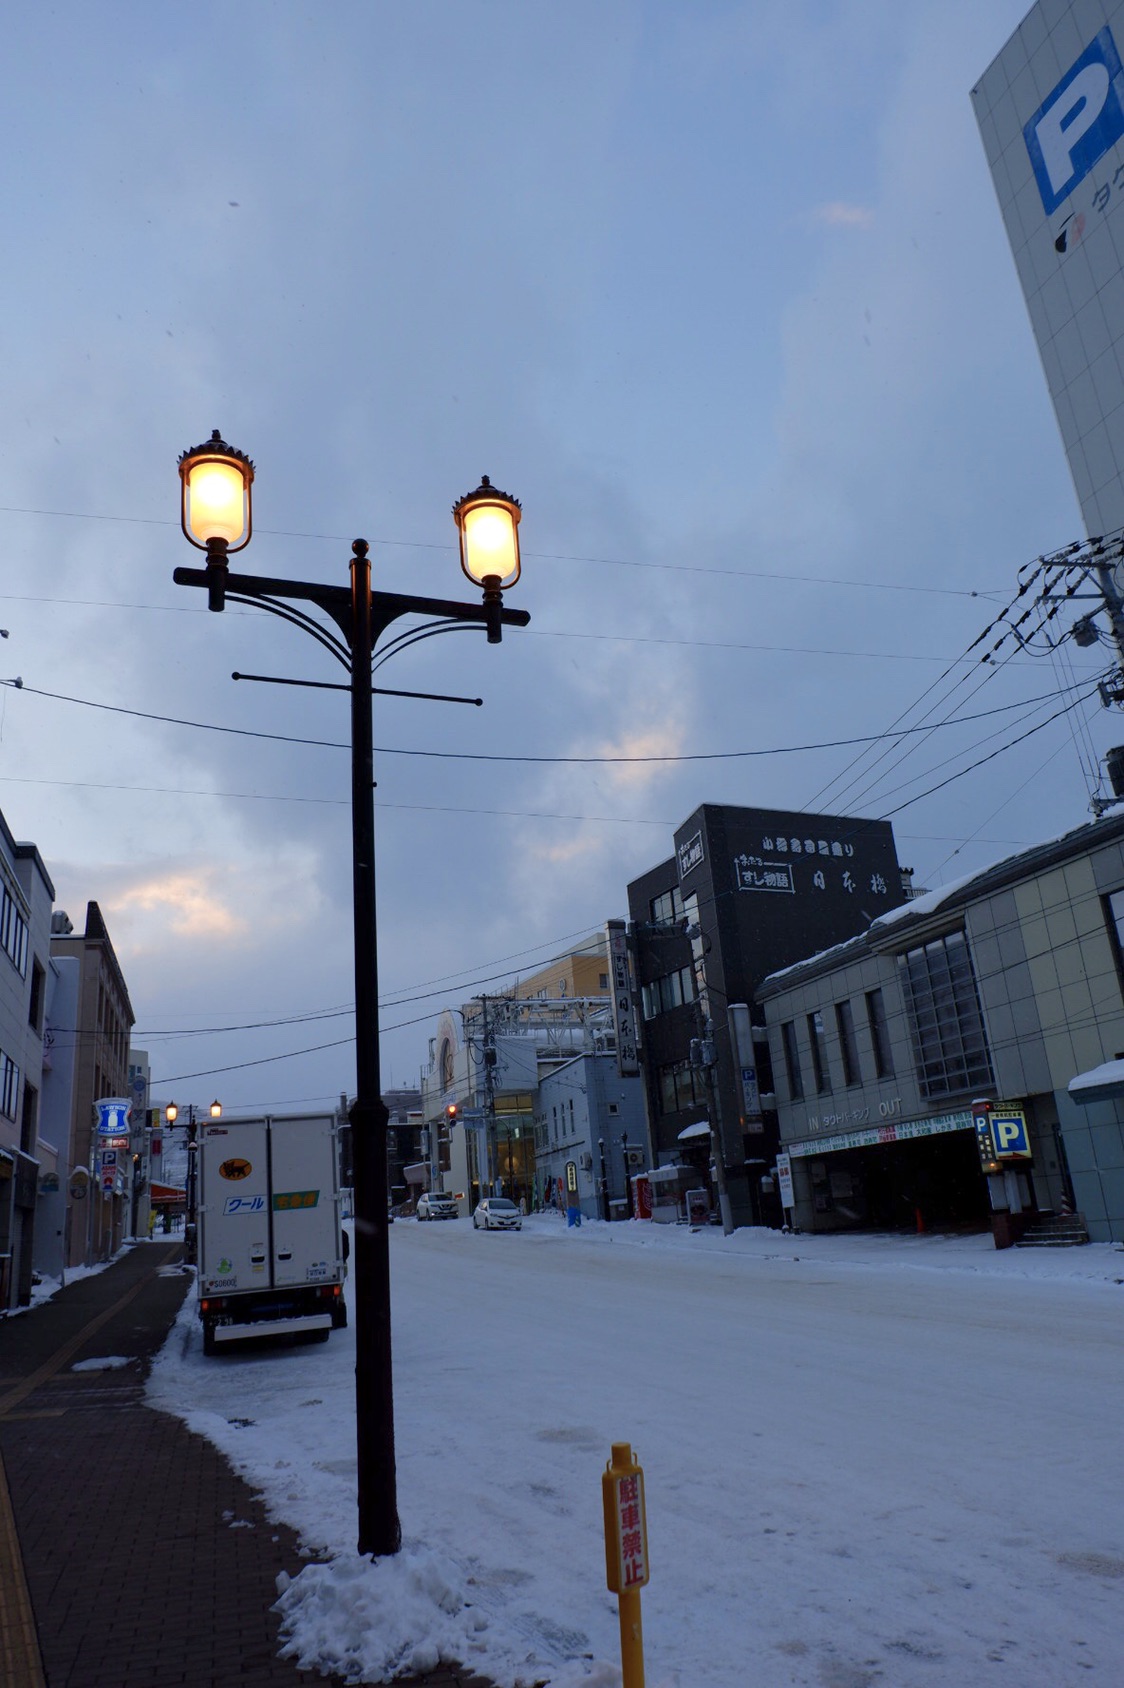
(923, 1069)
(482, 1088)
(590, 1136)
(31, 1165)
(1051, 114)
(100, 1217)
(746, 891)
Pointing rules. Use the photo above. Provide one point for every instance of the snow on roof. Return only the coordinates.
(1099, 1084)
(701, 1128)
(807, 960)
(929, 901)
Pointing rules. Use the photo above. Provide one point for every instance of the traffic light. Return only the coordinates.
(452, 1114)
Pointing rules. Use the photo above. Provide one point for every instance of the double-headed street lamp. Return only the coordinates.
(216, 515)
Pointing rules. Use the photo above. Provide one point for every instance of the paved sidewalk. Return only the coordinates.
(130, 1553)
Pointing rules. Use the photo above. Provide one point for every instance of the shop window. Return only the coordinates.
(848, 1048)
(946, 1021)
(792, 1061)
(819, 1052)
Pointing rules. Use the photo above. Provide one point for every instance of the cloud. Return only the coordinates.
(181, 902)
(837, 214)
(662, 740)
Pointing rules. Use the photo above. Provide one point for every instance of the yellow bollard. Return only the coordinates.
(626, 1553)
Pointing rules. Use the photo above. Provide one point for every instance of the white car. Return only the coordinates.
(496, 1213)
(435, 1204)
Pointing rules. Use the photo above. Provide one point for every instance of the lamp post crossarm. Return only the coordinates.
(297, 618)
(388, 606)
(414, 635)
(335, 601)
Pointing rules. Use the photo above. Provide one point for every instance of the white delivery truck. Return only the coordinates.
(270, 1245)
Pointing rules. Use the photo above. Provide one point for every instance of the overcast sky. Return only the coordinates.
(720, 291)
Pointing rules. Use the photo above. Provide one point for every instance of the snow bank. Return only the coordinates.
(821, 1508)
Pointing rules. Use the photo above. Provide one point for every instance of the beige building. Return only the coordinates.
(584, 972)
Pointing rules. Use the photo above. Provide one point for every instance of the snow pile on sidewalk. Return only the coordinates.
(373, 1620)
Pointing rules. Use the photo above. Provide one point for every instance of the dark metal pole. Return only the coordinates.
(379, 1530)
(361, 618)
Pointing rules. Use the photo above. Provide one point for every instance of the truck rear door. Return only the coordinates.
(306, 1227)
(234, 1207)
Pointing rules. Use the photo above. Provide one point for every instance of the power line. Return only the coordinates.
(989, 758)
(544, 556)
(447, 980)
(554, 761)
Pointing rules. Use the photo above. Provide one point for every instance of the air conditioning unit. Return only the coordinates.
(635, 1157)
(586, 1161)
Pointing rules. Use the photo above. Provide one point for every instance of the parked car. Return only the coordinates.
(435, 1204)
(496, 1213)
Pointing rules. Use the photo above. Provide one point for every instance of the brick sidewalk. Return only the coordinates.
(123, 1518)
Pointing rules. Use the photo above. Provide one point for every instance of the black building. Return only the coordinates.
(747, 891)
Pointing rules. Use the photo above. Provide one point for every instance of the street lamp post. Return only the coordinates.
(216, 482)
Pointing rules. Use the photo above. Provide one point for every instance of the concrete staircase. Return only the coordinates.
(1058, 1230)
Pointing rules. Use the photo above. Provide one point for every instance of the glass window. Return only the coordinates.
(819, 1052)
(679, 1087)
(13, 931)
(848, 1048)
(35, 1006)
(792, 1061)
(946, 1021)
(667, 908)
(1114, 909)
(669, 991)
(9, 1086)
(879, 1034)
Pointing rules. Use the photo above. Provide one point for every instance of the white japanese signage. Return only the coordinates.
(624, 1004)
(784, 1181)
(691, 855)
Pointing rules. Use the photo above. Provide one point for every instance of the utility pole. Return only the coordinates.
(488, 1052)
(1113, 603)
(704, 1058)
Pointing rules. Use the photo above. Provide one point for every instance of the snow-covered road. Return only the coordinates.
(891, 1461)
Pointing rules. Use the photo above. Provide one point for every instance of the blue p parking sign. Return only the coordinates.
(1010, 1135)
(1077, 122)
